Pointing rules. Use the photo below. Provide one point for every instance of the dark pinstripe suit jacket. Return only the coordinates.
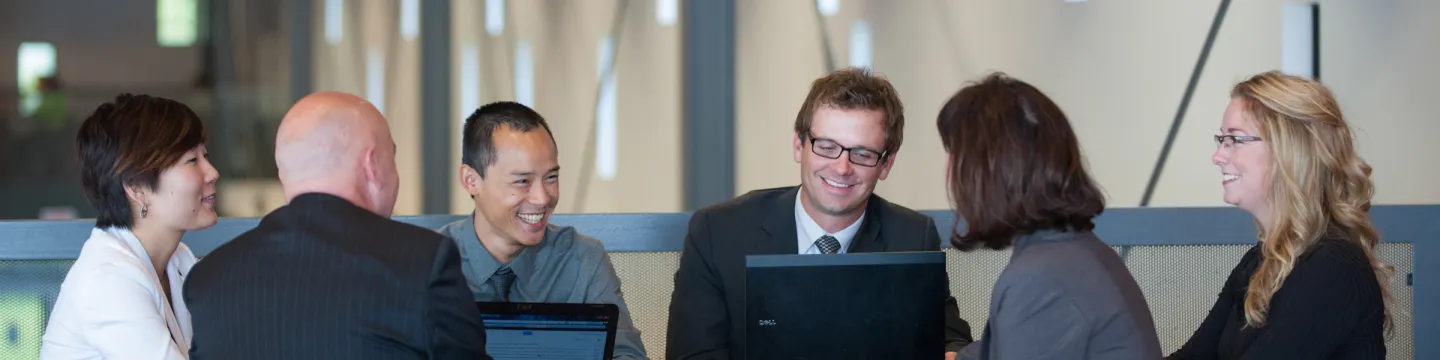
(321, 278)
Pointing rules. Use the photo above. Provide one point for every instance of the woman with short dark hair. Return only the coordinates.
(144, 167)
(1017, 180)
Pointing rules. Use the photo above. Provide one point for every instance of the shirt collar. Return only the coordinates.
(478, 260)
(128, 237)
(810, 231)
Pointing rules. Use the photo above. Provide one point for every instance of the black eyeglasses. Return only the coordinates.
(829, 149)
(1227, 141)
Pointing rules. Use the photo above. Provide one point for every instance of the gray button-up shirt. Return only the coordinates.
(567, 267)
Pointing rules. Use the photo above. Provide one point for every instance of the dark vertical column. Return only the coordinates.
(435, 106)
(302, 48)
(709, 101)
(219, 54)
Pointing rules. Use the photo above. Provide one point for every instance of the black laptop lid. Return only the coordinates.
(549, 330)
(846, 306)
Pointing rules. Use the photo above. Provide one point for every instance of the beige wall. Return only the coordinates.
(563, 38)
(1118, 69)
(778, 53)
(342, 67)
(1381, 61)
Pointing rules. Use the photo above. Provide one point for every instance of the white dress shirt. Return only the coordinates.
(111, 307)
(807, 230)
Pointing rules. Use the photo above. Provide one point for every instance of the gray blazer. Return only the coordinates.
(1066, 295)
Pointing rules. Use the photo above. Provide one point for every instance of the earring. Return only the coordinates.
(144, 210)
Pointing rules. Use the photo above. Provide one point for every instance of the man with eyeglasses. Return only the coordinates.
(846, 138)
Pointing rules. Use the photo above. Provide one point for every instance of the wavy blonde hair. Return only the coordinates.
(1318, 184)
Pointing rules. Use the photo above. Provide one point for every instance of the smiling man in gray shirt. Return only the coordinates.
(508, 249)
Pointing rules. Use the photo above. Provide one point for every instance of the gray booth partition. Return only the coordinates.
(1180, 256)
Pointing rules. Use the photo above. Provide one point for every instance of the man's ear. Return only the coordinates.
(799, 145)
(885, 165)
(470, 179)
(370, 166)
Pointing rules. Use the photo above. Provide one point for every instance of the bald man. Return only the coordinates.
(330, 275)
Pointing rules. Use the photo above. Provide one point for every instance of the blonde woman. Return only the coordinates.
(1313, 287)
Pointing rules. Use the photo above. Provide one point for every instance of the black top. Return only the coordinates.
(321, 278)
(707, 309)
(1330, 307)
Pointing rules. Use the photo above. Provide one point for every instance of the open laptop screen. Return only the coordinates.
(846, 306)
(548, 331)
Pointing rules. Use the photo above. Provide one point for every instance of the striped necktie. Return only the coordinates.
(501, 281)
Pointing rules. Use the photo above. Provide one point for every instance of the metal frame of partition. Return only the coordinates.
(436, 107)
(1418, 225)
(708, 133)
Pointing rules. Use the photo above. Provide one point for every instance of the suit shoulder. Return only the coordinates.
(745, 204)
(895, 212)
(1060, 259)
(108, 272)
(415, 235)
(242, 243)
(104, 262)
(102, 248)
(226, 256)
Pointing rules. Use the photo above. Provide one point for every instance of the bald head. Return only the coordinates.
(339, 144)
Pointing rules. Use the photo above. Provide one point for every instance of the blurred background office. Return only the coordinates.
(665, 106)
(612, 77)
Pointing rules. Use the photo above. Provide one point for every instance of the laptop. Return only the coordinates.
(549, 330)
(846, 306)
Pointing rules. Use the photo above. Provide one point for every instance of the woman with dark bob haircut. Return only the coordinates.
(1017, 180)
(144, 167)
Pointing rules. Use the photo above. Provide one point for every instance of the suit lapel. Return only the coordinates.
(780, 225)
(179, 268)
(176, 331)
(868, 238)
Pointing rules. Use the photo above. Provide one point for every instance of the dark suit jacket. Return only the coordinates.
(321, 278)
(707, 310)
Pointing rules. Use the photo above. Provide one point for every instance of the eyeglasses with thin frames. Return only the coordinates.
(1229, 141)
(830, 149)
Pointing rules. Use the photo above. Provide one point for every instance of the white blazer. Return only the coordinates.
(111, 307)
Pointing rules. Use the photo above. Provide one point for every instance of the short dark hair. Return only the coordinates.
(129, 142)
(479, 147)
(855, 88)
(1015, 165)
